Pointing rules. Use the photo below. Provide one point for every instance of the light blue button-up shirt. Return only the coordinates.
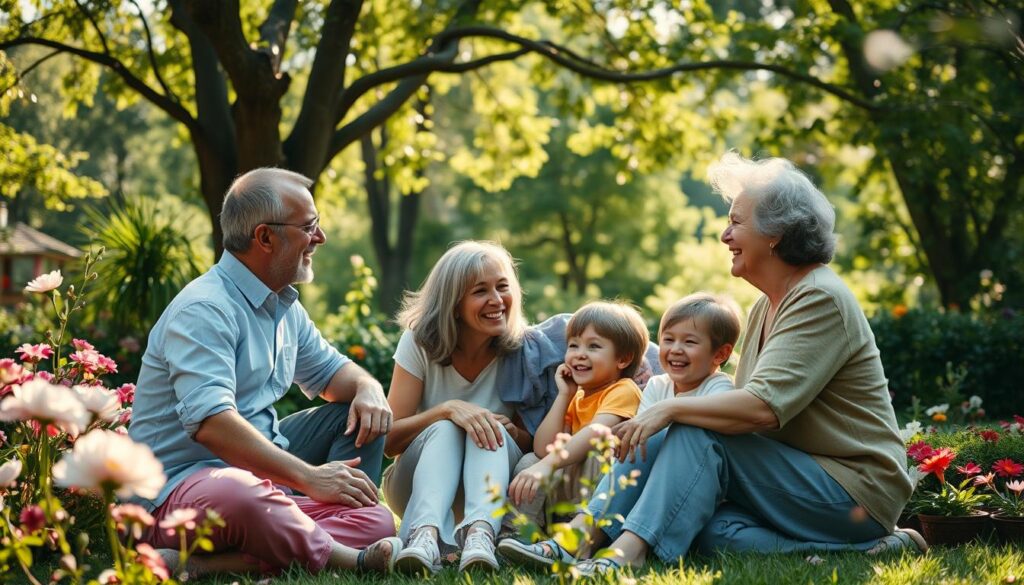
(225, 342)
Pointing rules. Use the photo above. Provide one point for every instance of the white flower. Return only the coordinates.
(102, 403)
(47, 403)
(107, 459)
(937, 409)
(974, 401)
(9, 472)
(885, 49)
(912, 428)
(45, 282)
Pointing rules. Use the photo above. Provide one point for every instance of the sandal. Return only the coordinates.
(396, 547)
(540, 555)
(597, 567)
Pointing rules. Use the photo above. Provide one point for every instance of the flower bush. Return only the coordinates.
(985, 463)
(63, 446)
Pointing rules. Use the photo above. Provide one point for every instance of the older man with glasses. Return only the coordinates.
(225, 350)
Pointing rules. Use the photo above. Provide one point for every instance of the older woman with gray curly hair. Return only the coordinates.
(804, 455)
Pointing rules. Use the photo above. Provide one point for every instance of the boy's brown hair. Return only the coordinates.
(719, 314)
(620, 323)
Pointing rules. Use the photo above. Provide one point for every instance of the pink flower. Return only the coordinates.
(108, 577)
(88, 359)
(180, 518)
(124, 416)
(152, 560)
(3, 437)
(126, 392)
(1016, 486)
(107, 365)
(131, 518)
(130, 344)
(104, 459)
(45, 282)
(41, 401)
(34, 353)
(10, 371)
(81, 344)
(46, 376)
(32, 518)
(102, 403)
(969, 469)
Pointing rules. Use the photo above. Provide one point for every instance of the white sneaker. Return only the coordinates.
(478, 551)
(420, 553)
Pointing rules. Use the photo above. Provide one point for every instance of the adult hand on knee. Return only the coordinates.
(339, 482)
(479, 423)
(369, 411)
(633, 433)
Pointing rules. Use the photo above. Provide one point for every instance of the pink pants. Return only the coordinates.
(263, 522)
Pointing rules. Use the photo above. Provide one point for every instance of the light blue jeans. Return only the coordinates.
(731, 493)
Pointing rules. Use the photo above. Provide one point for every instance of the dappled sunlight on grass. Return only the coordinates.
(976, 563)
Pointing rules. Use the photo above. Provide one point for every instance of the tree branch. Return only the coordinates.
(152, 55)
(274, 30)
(95, 26)
(22, 74)
(172, 109)
(307, 146)
(567, 59)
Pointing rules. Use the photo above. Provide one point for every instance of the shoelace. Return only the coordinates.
(425, 540)
(479, 539)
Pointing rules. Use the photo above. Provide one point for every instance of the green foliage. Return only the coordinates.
(150, 258)
(47, 170)
(24, 323)
(359, 331)
(917, 344)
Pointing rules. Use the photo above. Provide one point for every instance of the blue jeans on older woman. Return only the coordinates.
(732, 493)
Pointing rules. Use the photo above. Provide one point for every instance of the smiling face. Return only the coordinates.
(750, 248)
(484, 307)
(686, 354)
(293, 262)
(592, 359)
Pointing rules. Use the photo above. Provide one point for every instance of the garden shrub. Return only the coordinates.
(358, 331)
(917, 345)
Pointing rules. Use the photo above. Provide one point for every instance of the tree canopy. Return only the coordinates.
(295, 84)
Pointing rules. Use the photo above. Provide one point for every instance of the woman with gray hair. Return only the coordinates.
(804, 455)
(454, 437)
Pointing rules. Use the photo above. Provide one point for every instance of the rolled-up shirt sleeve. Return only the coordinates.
(317, 360)
(200, 352)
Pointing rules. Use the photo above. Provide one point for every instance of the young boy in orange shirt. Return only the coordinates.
(605, 346)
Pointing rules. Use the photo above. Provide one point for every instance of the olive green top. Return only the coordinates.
(819, 370)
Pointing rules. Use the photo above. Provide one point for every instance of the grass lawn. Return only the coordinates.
(975, 563)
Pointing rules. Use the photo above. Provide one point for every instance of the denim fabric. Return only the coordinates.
(317, 435)
(732, 493)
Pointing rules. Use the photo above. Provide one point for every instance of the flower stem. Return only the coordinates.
(115, 544)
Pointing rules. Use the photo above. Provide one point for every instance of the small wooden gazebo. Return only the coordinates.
(25, 253)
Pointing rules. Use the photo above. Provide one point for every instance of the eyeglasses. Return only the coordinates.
(309, 228)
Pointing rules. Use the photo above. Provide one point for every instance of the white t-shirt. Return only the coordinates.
(443, 383)
(660, 388)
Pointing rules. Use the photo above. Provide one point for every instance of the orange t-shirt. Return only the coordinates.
(621, 398)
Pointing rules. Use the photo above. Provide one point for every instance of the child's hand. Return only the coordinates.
(564, 381)
(524, 487)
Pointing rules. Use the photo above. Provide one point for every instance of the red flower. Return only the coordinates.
(1007, 468)
(920, 451)
(989, 435)
(1019, 419)
(971, 468)
(938, 463)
